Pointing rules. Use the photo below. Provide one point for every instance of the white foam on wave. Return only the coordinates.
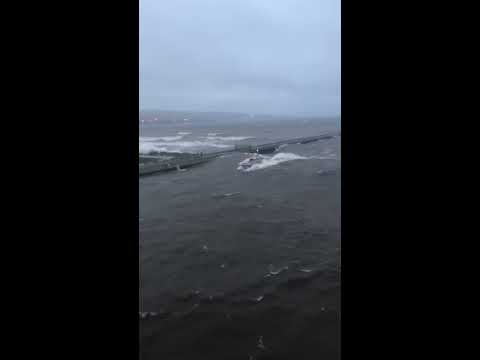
(171, 138)
(330, 156)
(248, 160)
(149, 147)
(196, 143)
(231, 194)
(227, 138)
(161, 138)
(178, 146)
(180, 135)
(148, 139)
(259, 162)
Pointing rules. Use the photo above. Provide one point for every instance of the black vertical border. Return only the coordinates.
(106, 185)
(382, 188)
(79, 193)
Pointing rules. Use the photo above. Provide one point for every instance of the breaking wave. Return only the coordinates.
(171, 138)
(258, 162)
(180, 135)
(213, 137)
(161, 138)
(177, 143)
(149, 146)
(149, 139)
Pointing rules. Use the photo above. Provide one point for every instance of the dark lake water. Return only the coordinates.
(241, 261)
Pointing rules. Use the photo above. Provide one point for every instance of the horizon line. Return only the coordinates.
(241, 113)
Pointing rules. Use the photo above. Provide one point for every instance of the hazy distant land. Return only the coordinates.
(178, 117)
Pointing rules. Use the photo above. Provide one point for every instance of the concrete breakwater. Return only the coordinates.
(164, 161)
(172, 161)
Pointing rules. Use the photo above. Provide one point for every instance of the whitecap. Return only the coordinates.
(171, 138)
(228, 138)
(231, 194)
(149, 146)
(260, 298)
(263, 162)
(160, 138)
(274, 272)
(326, 172)
(148, 139)
(305, 270)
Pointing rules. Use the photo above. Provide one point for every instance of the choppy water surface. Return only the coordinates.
(242, 235)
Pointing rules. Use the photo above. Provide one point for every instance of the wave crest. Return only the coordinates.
(258, 162)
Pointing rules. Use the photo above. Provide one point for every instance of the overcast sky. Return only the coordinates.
(253, 56)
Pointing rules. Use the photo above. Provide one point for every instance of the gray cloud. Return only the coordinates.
(259, 56)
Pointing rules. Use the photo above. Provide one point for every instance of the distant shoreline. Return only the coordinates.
(186, 115)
